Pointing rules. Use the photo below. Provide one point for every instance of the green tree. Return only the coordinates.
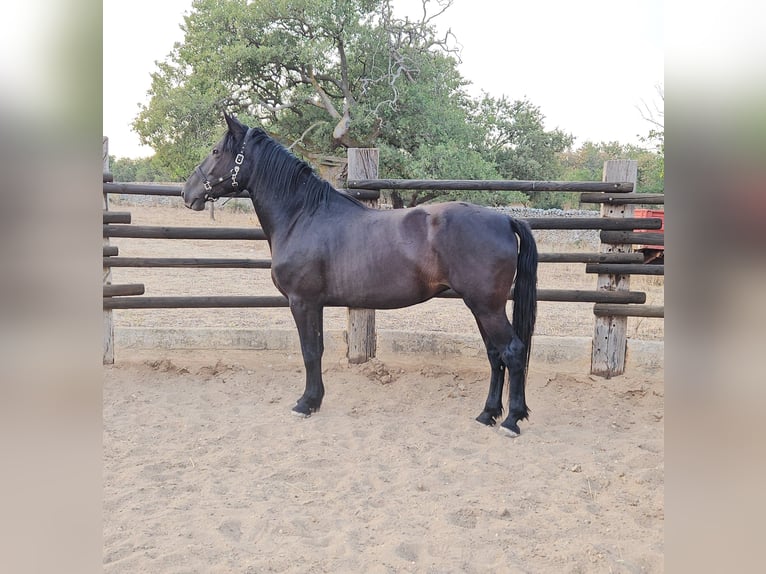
(317, 73)
(430, 134)
(322, 74)
(518, 145)
(587, 163)
(145, 169)
(516, 140)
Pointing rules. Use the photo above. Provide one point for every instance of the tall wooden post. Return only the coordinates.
(107, 274)
(610, 336)
(362, 164)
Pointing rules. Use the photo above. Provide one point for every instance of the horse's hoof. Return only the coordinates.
(486, 419)
(300, 414)
(508, 432)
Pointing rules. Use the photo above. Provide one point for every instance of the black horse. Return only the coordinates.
(328, 249)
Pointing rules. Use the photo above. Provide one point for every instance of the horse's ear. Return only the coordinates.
(234, 125)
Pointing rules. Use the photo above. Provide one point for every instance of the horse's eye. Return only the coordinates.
(215, 151)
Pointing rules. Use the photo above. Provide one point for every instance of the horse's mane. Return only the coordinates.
(281, 173)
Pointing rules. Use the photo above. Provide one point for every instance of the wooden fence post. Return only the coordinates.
(361, 336)
(107, 274)
(610, 341)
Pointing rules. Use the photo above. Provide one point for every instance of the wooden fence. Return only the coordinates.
(614, 264)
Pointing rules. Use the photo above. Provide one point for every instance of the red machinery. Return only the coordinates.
(652, 253)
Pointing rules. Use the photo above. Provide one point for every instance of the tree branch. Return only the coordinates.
(652, 115)
(326, 101)
(345, 84)
(299, 141)
(417, 198)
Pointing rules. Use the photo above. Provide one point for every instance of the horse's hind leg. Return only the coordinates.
(493, 408)
(514, 356)
(308, 319)
(502, 343)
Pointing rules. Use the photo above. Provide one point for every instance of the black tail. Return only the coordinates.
(525, 288)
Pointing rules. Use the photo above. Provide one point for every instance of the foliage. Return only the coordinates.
(587, 163)
(145, 169)
(317, 73)
(516, 141)
(322, 74)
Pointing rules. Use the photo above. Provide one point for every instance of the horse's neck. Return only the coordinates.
(266, 219)
(280, 215)
(275, 214)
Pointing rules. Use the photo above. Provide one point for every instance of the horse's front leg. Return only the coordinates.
(308, 319)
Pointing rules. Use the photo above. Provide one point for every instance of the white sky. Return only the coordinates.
(587, 64)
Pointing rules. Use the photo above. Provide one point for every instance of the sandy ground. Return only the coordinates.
(206, 470)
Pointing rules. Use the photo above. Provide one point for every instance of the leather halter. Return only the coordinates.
(238, 161)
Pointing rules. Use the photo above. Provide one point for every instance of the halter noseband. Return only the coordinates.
(238, 160)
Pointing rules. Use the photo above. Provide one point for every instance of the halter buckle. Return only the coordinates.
(234, 172)
(239, 159)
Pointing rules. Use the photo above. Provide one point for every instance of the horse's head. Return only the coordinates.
(218, 174)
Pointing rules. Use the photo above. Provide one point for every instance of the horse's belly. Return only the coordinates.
(380, 300)
(383, 286)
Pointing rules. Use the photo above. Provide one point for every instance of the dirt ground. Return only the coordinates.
(206, 470)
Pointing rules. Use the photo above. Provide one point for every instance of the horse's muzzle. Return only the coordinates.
(197, 204)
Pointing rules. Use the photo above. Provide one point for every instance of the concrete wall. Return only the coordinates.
(568, 353)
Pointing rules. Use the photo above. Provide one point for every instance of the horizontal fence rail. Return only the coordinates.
(573, 223)
(113, 290)
(595, 189)
(615, 310)
(228, 301)
(490, 185)
(591, 191)
(625, 258)
(574, 296)
(624, 199)
(111, 260)
(146, 189)
(195, 302)
(161, 232)
(204, 263)
(175, 191)
(116, 217)
(619, 269)
(254, 233)
(617, 237)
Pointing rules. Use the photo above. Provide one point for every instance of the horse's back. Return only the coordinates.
(465, 228)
